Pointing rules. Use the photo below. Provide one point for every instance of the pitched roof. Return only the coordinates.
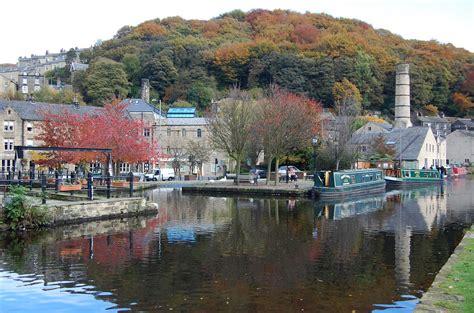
(34, 111)
(139, 105)
(410, 140)
(465, 121)
(432, 119)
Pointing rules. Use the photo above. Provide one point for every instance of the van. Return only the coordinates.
(160, 174)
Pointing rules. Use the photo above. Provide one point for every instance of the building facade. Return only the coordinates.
(460, 145)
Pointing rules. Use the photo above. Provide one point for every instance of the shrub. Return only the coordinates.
(20, 213)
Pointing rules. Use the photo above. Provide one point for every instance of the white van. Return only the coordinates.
(160, 174)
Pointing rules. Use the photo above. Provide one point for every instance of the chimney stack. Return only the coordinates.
(146, 90)
(402, 97)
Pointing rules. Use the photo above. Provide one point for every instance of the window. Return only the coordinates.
(24, 81)
(168, 150)
(29, 142)
(24, 89)
(29, 127)
(370, 128)
(8, 144)
(36, 88)
(8, 126)
(124, 168)
(37, 81)
(7, 165)
(199, 133)
(183, 132)
(146, 132)
(168, 132)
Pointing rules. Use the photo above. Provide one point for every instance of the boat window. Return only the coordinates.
(353, 179)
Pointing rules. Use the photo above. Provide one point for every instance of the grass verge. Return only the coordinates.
(460, 280)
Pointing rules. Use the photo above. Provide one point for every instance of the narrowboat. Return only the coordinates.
(411, 177)
(329, 184)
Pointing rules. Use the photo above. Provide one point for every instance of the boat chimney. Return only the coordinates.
(402, 97)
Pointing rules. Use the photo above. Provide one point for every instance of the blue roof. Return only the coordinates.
(181, 110)
(181, 113)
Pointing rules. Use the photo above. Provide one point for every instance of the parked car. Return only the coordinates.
(160, 174)
(260, 172)
(282, 169)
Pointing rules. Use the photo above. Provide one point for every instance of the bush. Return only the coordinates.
(20, 214)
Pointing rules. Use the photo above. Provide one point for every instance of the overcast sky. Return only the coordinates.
(32, 26)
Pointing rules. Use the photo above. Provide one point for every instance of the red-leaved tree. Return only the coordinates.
(108, 127)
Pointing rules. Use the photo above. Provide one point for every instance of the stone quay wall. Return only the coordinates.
(77, 212)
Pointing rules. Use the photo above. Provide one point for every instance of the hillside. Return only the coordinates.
(195, 60)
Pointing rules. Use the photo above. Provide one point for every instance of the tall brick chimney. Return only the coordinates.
(146, 90)
(402, 97)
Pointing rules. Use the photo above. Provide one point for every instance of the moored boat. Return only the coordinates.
(409, 177)
(329, 184)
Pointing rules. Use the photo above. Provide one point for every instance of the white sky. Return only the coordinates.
(32, 26)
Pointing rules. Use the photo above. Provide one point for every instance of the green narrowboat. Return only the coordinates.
(410, 177)
(328, 184)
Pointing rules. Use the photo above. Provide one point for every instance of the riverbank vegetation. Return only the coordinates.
(20, 213)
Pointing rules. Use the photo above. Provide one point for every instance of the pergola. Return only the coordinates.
(19, 152)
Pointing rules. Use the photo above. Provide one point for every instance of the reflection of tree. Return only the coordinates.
(262, 257)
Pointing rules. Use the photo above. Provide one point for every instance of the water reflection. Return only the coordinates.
(211, 254)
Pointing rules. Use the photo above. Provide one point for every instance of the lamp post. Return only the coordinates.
(314, 142)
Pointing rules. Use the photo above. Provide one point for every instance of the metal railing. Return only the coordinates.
(72, 182)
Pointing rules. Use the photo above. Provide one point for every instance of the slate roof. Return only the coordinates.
(412, 140)
(467, 122)
(33, 111)
(139, 105)
(432, 119)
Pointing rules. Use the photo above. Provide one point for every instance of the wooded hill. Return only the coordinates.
(195, 60)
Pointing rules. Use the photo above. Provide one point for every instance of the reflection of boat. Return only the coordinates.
(336, 209)
(409, 177)
(329, 184)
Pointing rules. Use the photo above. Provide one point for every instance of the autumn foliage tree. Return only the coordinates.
(108, 127)
(286, 121)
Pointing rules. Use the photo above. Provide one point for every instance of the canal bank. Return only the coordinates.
(453, 287)
(293, 189)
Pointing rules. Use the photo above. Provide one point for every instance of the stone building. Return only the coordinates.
(29, 82)
(416, 147)
(439, 125)
(460, 145)
(20, 126)
(463, 124)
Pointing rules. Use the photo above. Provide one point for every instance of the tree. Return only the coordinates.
(107, 127)
(197, 154)
(347, 106)
(106, 80)
(380, 150)
(160, 71)
(286, 121)
(230, 128)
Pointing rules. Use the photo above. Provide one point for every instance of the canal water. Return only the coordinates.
(241, 254)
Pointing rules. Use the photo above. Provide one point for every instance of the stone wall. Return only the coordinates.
(68, 213)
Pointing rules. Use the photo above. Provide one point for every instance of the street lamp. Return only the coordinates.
(314, 142)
